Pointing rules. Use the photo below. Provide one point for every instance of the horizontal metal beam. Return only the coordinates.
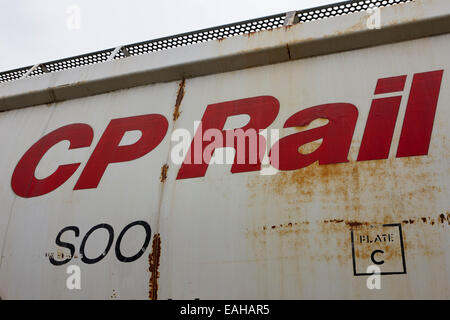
(418, 19)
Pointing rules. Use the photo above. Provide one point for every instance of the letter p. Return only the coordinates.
(153, 128)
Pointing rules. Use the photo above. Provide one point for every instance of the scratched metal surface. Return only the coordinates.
(285, 236)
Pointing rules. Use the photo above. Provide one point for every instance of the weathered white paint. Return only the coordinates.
(216, 231)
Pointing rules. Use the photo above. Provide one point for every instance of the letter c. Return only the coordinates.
(23, 181)
(372, 257)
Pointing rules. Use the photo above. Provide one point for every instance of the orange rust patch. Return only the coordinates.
(310, 147)
(337, 198)
(319, 122)
(389, 253)
(164, 169)
(180, 95)
(153, 261)
(346, 186)
(251, 33)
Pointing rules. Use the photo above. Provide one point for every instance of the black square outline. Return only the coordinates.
(399, 225)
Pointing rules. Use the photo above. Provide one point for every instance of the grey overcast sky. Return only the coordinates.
(34, 31)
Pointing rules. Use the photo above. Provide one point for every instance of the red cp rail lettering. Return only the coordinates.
(24, 183)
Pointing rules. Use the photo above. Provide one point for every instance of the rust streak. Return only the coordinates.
(164, 169)
(355, 223)
(288, 51)
(153, 260)
(442, 218)
(180, 95)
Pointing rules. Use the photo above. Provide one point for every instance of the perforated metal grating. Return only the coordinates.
(342, 8)
(220, 32)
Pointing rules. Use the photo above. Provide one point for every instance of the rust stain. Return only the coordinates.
(341, 184)
(442, 219)
(59, 254)
(286, 225)
(355, 223)
(360, 25)
(114, 295)
(298, 237)
(164, 169)
(288, 51)
(336, 198)
(180, 95)
(313, 124)
(153, 261)
(327, 221)
(389, 252)
(310, 147)
(334, 221)
(250, 34)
